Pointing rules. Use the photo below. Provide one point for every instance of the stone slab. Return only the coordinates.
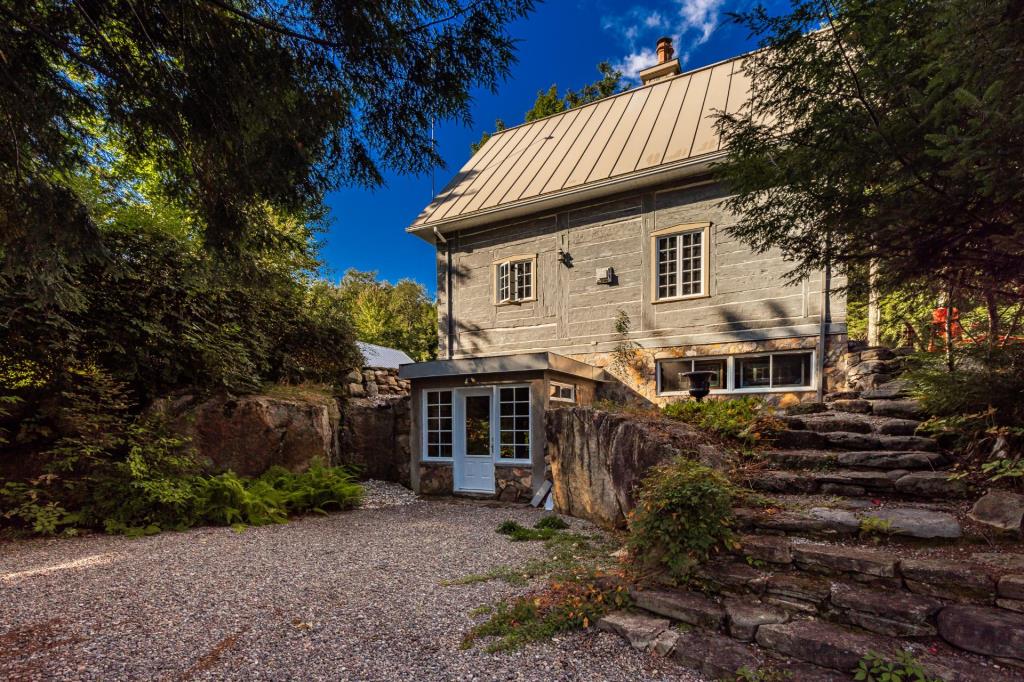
(918, 523)
(891, 459)
(839, 559)
(1000, 510)
(1011, 587)
(983, 630)
(948, 579)
(639, 629)
(893, 604)
(821, 643)
(687, 607)
(744, 617)
(931, 484)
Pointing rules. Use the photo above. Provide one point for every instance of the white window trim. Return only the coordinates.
(495, 417)
(532, 258)
(498, 459)
(705, 229)
(731, 378)
(562, 384)
(424, 447)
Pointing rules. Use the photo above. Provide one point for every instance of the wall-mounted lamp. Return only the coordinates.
(565, 258)
(469, 381)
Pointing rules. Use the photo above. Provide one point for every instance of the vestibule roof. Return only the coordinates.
(643, 136)
(501, 364)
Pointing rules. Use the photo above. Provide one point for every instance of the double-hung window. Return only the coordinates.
(514, 280)
(680, 267)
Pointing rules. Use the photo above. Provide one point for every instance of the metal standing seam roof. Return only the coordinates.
(382, 356)
(661, 125)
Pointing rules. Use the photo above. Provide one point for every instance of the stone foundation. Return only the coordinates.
(638, 383)
(436, 479)
(513, 484)
(370, 382)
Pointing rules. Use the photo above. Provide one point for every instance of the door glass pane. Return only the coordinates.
(791, 370)
(753, 372)
(478, 425)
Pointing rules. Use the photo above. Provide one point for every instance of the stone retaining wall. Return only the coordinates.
(370, 382)
(376, 422)
(868, 367)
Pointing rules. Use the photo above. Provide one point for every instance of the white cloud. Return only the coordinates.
(701, 15)
(653, 20)
(632, 64)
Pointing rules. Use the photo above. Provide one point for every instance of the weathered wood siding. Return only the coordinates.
(573, 314)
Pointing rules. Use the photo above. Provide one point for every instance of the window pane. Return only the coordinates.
(716, 366)
(667, 266)
(438, 424)
(523, 394)
(524, 279)
(791, 370)
(478, 425)
(753, 372)
(672, 378)
(514, 433)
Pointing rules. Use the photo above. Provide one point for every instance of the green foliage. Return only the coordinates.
(520, 533)
(626, 352)
(985, 449)
(683, 514)
(875, 527)
(551, 522)
(748, 419)
(560, 608)
(983, 379)
(394, 315)
(876, 668)
(883, 138)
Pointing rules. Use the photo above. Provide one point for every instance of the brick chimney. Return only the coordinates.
(665, 50)
(666, 66)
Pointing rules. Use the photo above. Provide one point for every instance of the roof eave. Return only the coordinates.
(653, 176)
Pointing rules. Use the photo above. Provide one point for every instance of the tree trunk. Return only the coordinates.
(874, 313)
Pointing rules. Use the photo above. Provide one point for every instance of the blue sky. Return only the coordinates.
(561, 42)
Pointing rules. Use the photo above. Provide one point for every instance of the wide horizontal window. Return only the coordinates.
(758, 372)
(559, 392)
(672, 374)
(438, 425)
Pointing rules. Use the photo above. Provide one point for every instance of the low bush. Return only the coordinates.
(553, 522)
(983, 380)
(683, 514)
(748, 419)
(905, 668)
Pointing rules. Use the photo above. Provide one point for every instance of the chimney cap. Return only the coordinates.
(666, 66)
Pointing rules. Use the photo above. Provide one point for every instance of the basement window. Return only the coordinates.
(562, 393)
(514, 280)
(756, 373)
(671, 373)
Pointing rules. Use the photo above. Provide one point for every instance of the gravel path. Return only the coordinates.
(350, 596)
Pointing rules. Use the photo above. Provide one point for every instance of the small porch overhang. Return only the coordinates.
(502, 364)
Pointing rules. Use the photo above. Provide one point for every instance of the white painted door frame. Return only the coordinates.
(473, 473)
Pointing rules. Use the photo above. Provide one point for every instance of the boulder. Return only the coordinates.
(1001, 510)
(249, 434)
(598, 458)
(983, 630)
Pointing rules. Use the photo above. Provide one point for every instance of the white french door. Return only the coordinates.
(474, 440)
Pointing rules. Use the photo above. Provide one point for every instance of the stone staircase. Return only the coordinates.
(862, 544)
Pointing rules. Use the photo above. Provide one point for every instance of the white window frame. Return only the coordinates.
(732, 379)
(705, 230)
(498, 459)
(694, 358)
(510, 266)
(425, 439)
(560, 385)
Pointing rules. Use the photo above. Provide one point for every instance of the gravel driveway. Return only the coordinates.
(350, 596)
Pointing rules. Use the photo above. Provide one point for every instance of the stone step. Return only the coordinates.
(816, 458)
(859, 483)
(832, 421)
(847, 440)
(895, 520)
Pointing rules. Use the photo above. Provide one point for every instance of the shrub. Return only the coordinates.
(983, 380)
(553, 522)
(874, 668)
(683, 514)
(748, 419)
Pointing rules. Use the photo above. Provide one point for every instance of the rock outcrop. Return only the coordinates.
(597, 458)
(249, 434)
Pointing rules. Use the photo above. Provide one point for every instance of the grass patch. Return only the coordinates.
(559, 608)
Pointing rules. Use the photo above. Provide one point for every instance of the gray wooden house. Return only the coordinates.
(556, 232)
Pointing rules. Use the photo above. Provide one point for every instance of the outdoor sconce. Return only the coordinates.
(700, 383)
(469, 381)
(565, 258)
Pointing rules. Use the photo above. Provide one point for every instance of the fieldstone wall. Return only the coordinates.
(866, 368)
(514, 484)
(376, 422)
(598, 458)
(436, 478)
